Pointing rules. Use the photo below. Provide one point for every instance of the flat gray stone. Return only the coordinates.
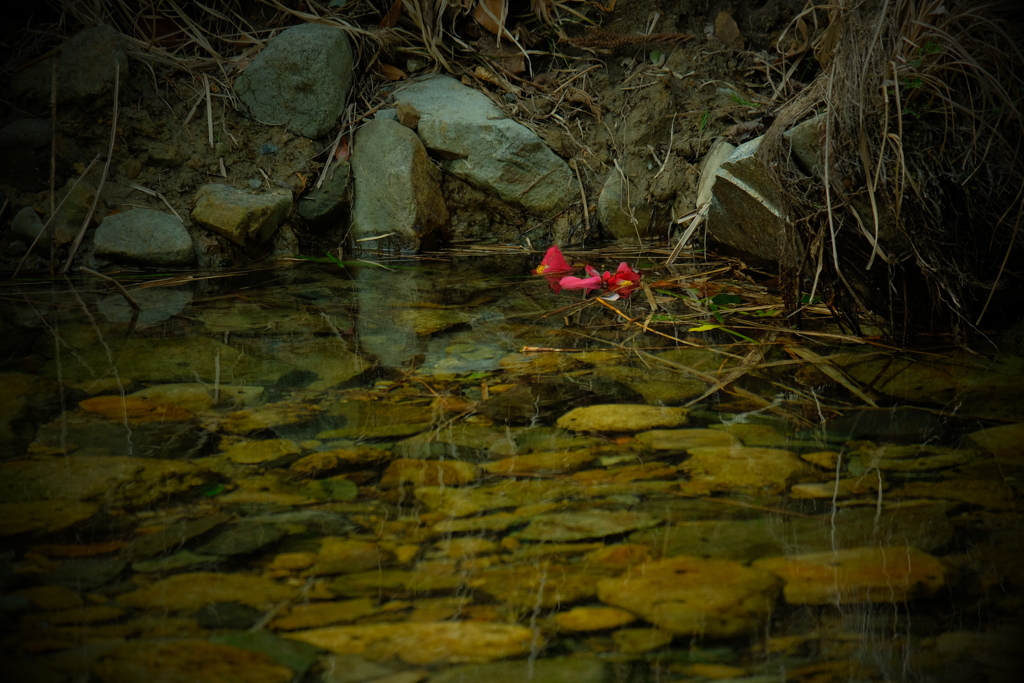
(477, 142)
(145, 237)
(397, 187)
(301, 79)
(242, 217)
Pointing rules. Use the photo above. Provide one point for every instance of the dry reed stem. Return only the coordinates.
(117, 285)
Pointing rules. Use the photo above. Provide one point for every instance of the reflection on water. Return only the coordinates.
(374, 475)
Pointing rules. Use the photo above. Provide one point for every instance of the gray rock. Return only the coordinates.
(85, 72)
(623, 214)
(244, 218)
(480, 144)
(805, 142)
(397, 187)
(301, 79)
(745, 212)
(325, 206)
(145, 237)
(27, 225)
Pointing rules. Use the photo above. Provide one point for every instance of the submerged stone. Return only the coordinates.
(887, 574)
(129, 482)
(529, 586)
(693, 596)
(462, 502)
(593, 618)
(750, 539)
(622, 418)
(429, 473)
(726, 468)
(43, 516)
(541, 462)
(264, 450)
(317, 614)
(425, 643)
(914, 458)
(197, 590)
(345, 556)
(685, 439)
(188, 661)
(575, 526)
(634, 641)
(995, 495)
(298, 657)
(358, 457)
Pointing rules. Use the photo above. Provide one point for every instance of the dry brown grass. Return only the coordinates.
(922, 134)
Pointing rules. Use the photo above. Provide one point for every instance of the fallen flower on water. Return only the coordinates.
(624, 281)
(594, 281)
(553, 267)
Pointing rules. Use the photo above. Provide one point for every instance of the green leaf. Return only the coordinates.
(655, 56)
(704, 328)
(726, 299)
(213, 490)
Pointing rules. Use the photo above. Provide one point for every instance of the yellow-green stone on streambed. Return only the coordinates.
(622, 418)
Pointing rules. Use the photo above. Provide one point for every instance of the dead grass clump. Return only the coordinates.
(921, 134)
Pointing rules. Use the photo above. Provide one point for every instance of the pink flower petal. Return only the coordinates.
(588, 283)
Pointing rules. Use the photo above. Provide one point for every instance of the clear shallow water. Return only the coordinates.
(324, 475)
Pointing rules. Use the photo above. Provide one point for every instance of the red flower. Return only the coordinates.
(623, 282)
(553, 267)
(557, 272)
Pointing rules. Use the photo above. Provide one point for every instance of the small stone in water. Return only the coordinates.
(634, 641)
(593, 618)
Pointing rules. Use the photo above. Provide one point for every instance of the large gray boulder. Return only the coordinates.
(397, 187)
(144, 237)
(477, 142)
(247, 219)
(745, 212)
(85, 72)
(300, 79)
